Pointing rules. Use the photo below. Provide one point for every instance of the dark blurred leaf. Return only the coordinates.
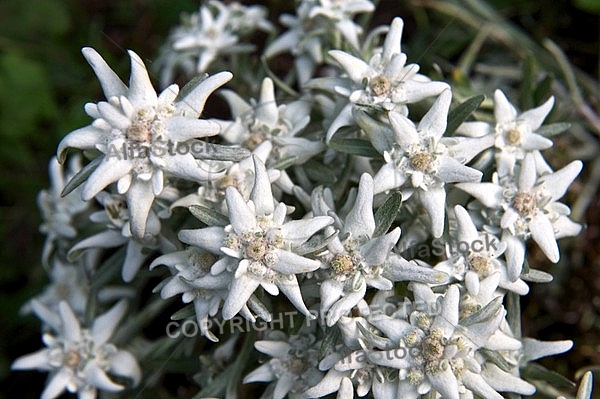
(386, 214)
(459, 114)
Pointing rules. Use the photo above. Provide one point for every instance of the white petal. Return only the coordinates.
(330, 383)
(447, 320)
(434, 202)
(240, 291)
(452, 171)
(261, 194)
(209, 238)
(192, 104)
(445, 383)
(57, 384)
(392, 43)
(477, 384)
(266, 110)
(181, 128)
(273, 348)
(542, 233)
(535, 116)
(141, 92)
(387, 178)
(291, 290)
(360, 221)
(299, 231)
(405, 132)
(139, 201)
(284, 384)
(489, 194)
(466, 230)
(290, 263)
(260, 374)
(105, 324)
(36, 360)
(70, 324)
(527, 176)
(107, 172)
(534, 349)
(515, 255)
(434, 122)
(241, 216)
(95, 376)
(84, 138)
(503, 109)
(111, 84)
(126, 365)
(356, 68)
(557, 183)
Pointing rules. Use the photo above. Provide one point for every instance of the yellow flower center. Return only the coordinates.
(513, 136)
(524, 203)
(342, 264)
(380, 85)
(421, 161)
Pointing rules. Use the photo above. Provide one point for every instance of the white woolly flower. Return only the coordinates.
(58, 211)
(139, 134)
(264, 120)
(80, 360)
(439, 351)
(526, 207)
(293, 364)
(514, 133)
(481, 258)
(420, 157)
(259, 244)
(239, 175)
(384, 81)
(192, 278)
(316, 25)
(115, 217)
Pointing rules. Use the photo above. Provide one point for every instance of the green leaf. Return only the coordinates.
(184, 313)
(208, 216)
(219, 152)
(543, 90)
(80, 176)
(190, 86)
(355, 147)
(462, 111)
(528, 76)
(386, 214)
(330, 341)
(534, 371)
(484, 314)
(537, 276)
(496, 358)
(319, 172)
(553, 129)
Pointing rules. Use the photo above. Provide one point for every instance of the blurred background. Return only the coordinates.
(44, 82)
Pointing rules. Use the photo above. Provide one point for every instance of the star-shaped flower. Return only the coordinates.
(80, 360)
(260, 245)
(527, 207)
(385, 81)
(514, 133)
(420, 156)
(139, 134)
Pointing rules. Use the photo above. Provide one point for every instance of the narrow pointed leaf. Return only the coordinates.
(208, 216)
(460, 114)
(386, 214)
(81, 176)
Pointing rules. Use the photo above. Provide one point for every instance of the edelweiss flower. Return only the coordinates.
(358, 260)
(480, 260)
(528, 207)
(192, 278)
(237, 174)
(293, 367)
(437, 353)
(265, 120)
(79, 360)
(260, 245)
(421, 157)
(137, 132)
(58, 211)
(315, 26)
(116, 218)
(515, 133)
(385, 81)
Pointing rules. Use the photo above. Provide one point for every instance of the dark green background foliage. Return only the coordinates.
(44, 82)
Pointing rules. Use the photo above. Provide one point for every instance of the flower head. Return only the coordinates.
(136, 131)
(80, 360)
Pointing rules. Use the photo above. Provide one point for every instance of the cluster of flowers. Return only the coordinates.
(361, 176)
